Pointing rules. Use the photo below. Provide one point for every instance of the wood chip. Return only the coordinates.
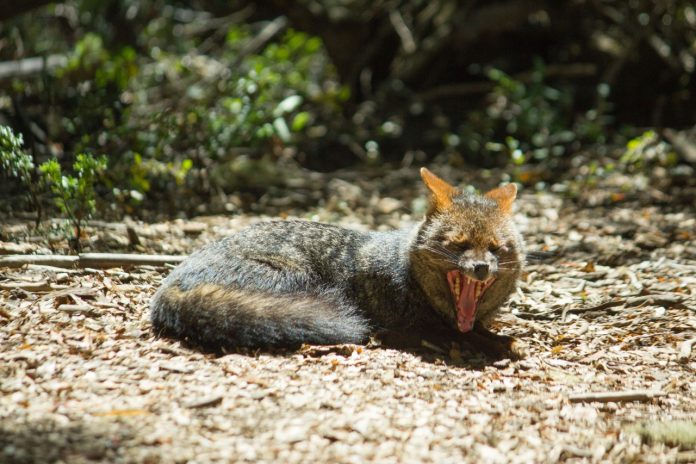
(75, 308)
(176, 367)
(213, 400)
(685, 350)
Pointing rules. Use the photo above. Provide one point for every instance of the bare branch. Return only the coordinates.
(96, 260)
(615, 397)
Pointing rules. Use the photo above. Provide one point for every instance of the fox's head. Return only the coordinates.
(468, 250)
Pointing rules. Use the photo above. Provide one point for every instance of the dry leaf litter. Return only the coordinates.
(609, 308)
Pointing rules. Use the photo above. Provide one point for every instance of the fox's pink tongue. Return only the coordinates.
(466, 305)
(464, 291)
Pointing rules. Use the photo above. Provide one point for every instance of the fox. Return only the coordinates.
(285, 283)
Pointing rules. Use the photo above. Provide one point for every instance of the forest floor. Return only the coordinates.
(610, 309)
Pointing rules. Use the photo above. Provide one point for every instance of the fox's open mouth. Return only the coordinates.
(467, 294)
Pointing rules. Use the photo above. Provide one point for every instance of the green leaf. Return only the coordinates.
(288, 105)
(281, 129)
(300, 121)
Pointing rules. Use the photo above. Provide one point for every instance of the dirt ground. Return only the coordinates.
(607, 304)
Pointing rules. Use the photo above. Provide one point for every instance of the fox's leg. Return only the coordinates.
(479, 340)
(493, 344)
(401, 338)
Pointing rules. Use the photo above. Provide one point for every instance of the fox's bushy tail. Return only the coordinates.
(216, 317)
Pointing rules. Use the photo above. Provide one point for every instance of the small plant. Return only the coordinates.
(74, 194)
(13, 159)
(533, 116)
(528, 121)
(16, 162)
(648, 150)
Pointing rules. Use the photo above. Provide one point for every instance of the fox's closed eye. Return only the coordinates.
(462, 246)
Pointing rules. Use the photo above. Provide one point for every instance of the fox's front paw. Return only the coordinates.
(517, 349)
(494, 345)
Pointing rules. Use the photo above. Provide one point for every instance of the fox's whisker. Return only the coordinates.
(439, 250)
(541, 255)
(443, 254)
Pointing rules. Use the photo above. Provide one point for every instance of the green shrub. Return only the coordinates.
(526, 122)
(13, 159)
(646, 151)
(16, 162)
(74, 194)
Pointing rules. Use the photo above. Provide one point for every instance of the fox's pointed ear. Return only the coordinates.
(442, 192)
(504, 196)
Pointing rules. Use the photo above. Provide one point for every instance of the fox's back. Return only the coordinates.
(313, 250)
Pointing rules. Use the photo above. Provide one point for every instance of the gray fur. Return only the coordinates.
(282, 283)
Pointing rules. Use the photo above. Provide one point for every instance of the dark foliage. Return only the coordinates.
(190, 100)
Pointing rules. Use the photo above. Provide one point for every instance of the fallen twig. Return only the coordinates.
(71, 291)
(660, 300)
(589, 309)
(616, 397)
(545, 316)
(26, 286)
(96, 260)
(668, 301)
(317, 351)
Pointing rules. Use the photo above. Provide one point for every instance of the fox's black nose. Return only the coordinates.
(481, 271)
